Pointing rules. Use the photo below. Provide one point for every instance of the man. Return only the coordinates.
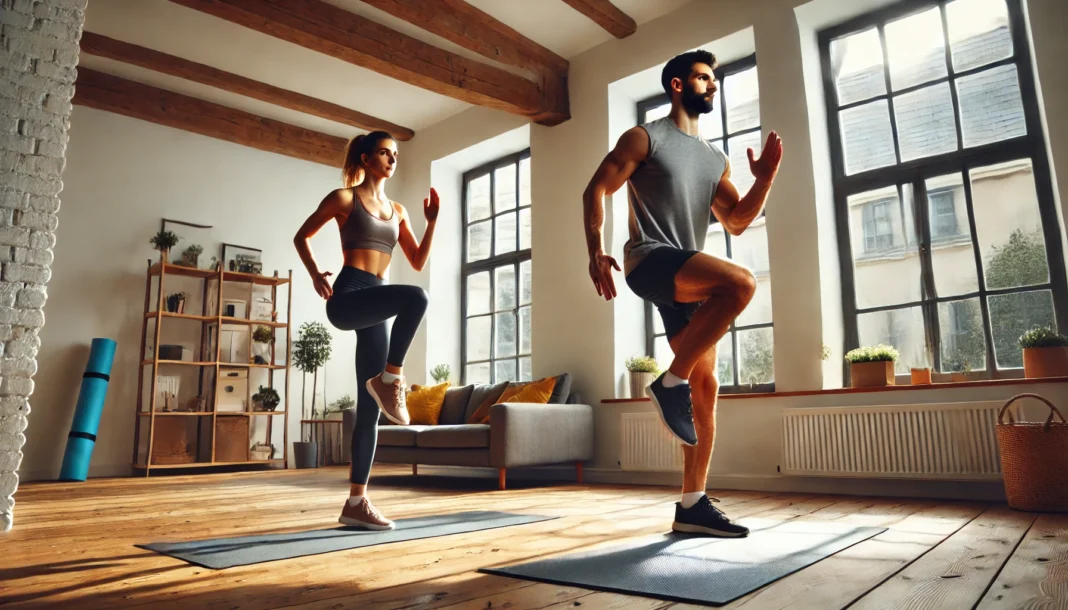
(676, 183)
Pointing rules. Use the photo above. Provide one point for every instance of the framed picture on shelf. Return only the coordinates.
(196, 242)
(241, 259)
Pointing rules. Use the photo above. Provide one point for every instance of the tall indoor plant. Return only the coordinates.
(311, 351)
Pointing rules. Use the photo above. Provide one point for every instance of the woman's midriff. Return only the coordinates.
(371, 261)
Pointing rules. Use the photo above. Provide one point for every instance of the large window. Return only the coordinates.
(949, 239)
(497, 271)
(744, 355)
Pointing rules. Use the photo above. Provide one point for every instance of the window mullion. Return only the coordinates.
(889, 97)
(921, 220)
(984, 307)
(951, 76)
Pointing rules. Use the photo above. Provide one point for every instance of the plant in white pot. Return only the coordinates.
(872, 366)
(1045, 353)
(642, 369)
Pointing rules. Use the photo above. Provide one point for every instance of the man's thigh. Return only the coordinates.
(704, 276)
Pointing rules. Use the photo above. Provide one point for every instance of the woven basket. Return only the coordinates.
(1034, 460)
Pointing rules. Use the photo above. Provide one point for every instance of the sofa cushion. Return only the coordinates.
(466, 436)
(561, 390)
(399, 436)
(480, 395)
(455, 406)
(425, 403)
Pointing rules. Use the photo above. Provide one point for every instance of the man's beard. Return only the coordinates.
(695, 103)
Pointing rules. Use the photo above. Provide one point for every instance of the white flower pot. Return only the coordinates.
(638, 382)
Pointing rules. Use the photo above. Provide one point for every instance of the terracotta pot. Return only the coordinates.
(1045, 362)
(921, 376)
(871, 374)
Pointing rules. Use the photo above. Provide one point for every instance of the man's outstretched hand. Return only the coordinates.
(601, 266)
(767, 166)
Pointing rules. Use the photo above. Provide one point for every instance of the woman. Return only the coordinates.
(371, 225)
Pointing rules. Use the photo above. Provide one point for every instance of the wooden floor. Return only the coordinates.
(73, 546)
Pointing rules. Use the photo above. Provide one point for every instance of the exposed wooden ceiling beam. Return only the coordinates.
(475, 30)
(322, 27)
(606, 15)
(106, 92)
(102, 46)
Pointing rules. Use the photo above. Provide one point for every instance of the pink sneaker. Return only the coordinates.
(390, 398)
(365, 515)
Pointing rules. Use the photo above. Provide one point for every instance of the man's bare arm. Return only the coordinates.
(737, 213)
(630, 151)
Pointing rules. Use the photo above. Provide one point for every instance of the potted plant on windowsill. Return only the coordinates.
(871, 367)
(1045, 353)
(441, 373)
(643, 369)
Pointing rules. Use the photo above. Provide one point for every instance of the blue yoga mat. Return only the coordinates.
(244, 550)
(82, 436)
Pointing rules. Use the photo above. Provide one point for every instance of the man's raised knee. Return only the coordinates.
(744, 286)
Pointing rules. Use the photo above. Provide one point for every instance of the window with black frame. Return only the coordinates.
(744, 355)
(947, 230)
(496, 285)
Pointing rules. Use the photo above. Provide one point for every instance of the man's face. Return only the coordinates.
(699, 89)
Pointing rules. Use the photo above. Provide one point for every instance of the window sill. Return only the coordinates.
(985, 383)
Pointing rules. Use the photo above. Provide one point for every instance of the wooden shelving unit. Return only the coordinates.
(210, 363)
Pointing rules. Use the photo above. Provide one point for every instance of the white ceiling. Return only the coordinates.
(167, 27)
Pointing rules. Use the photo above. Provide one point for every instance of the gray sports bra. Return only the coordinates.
(365, 231)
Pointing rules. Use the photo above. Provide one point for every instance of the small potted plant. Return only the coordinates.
(266, 399)
(164, 241)
(1045, 353)
(262, 338)
(872, 366)
(191, 255)
(441, 373)
(337, 408)
(643, 369)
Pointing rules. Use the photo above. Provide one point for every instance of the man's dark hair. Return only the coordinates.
(680, 66)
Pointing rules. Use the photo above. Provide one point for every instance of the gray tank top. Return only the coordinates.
(671, 192)
(365, 231)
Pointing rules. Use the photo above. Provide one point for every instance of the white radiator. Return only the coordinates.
(645, 444)
(932, 441)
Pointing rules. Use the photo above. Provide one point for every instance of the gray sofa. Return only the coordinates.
(519, 434)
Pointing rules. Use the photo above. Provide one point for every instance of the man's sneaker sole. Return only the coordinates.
(371, 526)
(371, 391)
(690, 528)
(659, 411)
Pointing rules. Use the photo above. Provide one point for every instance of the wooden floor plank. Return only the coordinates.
(1036, 576)
(957, 572)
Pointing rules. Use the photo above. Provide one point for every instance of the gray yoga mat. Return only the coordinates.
(695, 569)
(229, 552)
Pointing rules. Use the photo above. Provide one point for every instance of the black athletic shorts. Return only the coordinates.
(654, 280)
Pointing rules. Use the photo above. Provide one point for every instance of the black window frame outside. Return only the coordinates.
(1031, 146)
(516, 258)
(656, 101)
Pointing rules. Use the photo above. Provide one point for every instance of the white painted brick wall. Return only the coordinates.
(38, 60)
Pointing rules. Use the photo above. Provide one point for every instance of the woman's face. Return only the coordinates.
(382, 161)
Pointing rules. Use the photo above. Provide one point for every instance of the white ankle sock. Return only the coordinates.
(354, 500)
(691, 498)
(671, 380)
(390, 377)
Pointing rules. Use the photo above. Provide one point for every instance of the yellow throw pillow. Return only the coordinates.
(531, 391)
(424, 403)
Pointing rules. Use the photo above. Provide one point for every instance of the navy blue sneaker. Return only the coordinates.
(675, 408)
(703, 518)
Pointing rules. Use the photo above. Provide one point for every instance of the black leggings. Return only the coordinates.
(363, 302)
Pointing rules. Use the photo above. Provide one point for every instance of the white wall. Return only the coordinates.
(122, 176)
